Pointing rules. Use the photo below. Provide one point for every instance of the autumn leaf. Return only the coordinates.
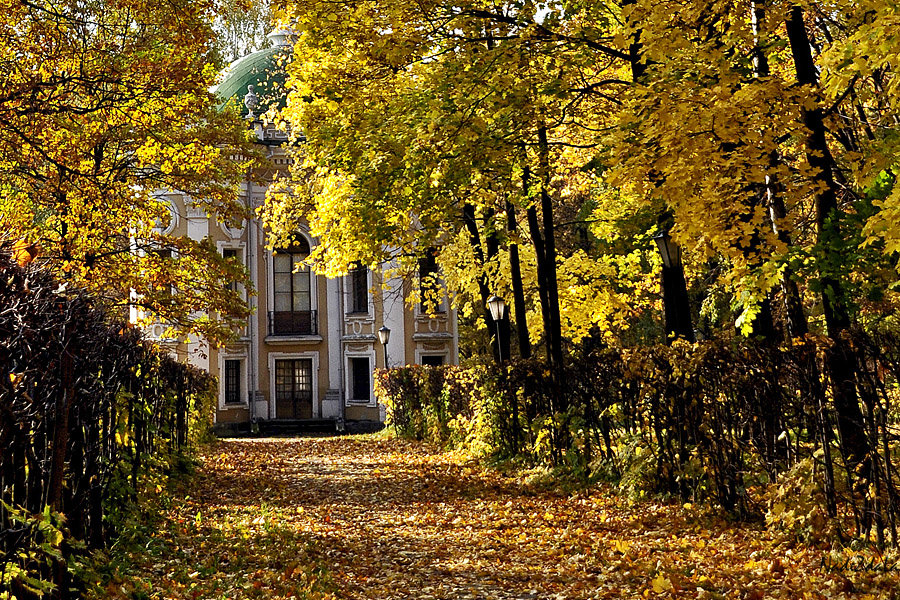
(318, 523)
(661, 584)
(24, 252)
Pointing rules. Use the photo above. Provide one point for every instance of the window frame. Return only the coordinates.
(359, 284)
(356, 378)
(428, 267)
(445, 352)
(369, 355)
(241, 356)
(425, 357)
(303, 271)
(270, 296)
(231, 373)
(240, 250)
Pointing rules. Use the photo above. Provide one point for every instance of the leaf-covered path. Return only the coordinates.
(371, 518)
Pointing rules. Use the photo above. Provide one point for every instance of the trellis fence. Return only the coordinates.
(751, 427)
(90, 415)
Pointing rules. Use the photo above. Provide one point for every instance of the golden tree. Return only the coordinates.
(104, 104)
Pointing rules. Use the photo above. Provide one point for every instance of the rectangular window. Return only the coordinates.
(165, 256)
(359, 289)
(430, 285)
(433, 360)
(232, 377)
(360, 374)
(230, 254)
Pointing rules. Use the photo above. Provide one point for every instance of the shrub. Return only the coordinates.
(716, 421)
(91, 416)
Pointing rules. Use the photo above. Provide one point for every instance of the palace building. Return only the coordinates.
(308, 351)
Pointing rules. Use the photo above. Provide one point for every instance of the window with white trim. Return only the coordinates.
(359, 289)
(293, 292)
(360, 379)
(430, 288)
(231, 254)
(231, 381)
(292, 289)
(433, 360)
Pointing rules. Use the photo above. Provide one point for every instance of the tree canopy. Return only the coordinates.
(105, 105)
(765, 131)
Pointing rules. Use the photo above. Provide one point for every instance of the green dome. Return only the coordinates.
(265, 70)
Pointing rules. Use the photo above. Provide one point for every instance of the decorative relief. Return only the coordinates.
(195, 212)
(233, 232)
(359, 347)
(173, 216)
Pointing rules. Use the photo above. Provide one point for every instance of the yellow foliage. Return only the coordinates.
(106, 104)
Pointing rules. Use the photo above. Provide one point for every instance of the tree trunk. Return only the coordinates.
(559, 397)
(501, 344)
(676, 308)
(796, 324)
(504, 341)
(517, 287)
(837, 317)
(554, 334)
(537, 240)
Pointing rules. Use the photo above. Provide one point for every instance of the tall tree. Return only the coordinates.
(773, 97)
(415, 117)
(105, 104)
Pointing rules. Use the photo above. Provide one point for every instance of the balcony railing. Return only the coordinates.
(289, 323)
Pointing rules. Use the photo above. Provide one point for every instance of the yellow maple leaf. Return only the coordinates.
(661, 584)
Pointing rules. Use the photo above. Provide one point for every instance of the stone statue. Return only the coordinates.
(251, 101)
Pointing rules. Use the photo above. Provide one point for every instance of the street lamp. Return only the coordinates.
(384, 335)
(497, 306)
(668, 249)
(676, 306)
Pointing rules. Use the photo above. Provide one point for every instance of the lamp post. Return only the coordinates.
(675, 298)
(384, 336)
(497, 306)
(668, 249)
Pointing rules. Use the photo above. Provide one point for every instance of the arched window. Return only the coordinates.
(292, 293)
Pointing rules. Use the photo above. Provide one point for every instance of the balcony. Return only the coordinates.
(293, 323)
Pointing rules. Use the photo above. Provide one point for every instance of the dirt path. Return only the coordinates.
(367, 518)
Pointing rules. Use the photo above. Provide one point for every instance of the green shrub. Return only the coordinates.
(712, 421)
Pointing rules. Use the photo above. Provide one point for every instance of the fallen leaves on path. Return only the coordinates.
(377, 519)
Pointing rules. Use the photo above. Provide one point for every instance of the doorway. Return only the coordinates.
(293, 389)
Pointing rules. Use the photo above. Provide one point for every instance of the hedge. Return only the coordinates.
(90, 416)
(721, 420)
